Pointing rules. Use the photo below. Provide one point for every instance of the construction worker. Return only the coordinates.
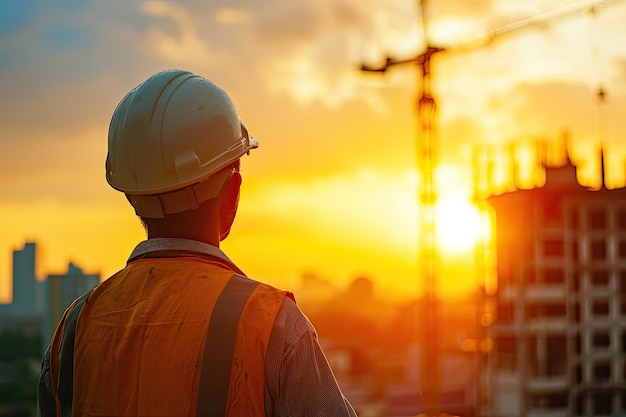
(181, 330)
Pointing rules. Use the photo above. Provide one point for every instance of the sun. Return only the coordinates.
(458, 224)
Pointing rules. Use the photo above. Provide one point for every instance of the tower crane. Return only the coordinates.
(426, 150)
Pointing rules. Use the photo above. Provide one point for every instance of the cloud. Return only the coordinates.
(293, 21)
(183, 47)
(306, 49)
(232, 16)
(319, 71)
(305, 20)
(311, 51)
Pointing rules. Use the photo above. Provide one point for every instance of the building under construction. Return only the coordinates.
(559, 335)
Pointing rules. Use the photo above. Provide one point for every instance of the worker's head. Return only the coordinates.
(174, 147)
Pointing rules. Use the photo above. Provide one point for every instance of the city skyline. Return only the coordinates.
(32, 257)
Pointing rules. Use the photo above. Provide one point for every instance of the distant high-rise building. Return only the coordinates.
(27, 297)
(37, 306)
(24, 313)
(559, 337)
(62, 290)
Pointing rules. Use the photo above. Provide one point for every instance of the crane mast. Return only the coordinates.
(428, 255)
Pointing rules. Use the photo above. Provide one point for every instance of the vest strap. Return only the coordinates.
(220, 346)
(65, 385)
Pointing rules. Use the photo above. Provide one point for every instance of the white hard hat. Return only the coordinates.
(167, 137)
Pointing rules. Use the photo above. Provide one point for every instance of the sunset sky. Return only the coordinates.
(332, 188)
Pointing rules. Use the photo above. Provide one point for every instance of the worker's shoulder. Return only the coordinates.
(292, 322)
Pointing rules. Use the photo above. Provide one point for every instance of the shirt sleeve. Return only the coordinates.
(306, 385)
(46, 405)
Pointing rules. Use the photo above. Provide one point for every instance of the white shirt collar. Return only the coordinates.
(161, 243)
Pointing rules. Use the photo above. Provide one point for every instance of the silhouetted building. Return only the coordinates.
(24, 279)
(559, 337)
(62, 290)
(27, 292)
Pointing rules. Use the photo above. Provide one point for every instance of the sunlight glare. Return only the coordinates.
(458, 224)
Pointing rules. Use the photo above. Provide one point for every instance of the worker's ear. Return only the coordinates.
(229, 202)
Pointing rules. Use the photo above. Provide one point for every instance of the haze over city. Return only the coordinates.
(332, 189)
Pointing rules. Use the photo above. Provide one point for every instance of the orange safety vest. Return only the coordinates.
(165, 337)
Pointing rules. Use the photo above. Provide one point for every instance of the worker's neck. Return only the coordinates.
(182, 228)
